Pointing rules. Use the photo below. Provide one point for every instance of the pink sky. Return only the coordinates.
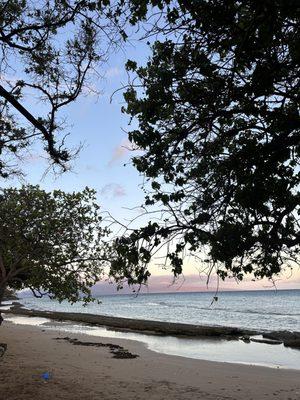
(194, 283)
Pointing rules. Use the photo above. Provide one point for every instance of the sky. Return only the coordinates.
(104, 164)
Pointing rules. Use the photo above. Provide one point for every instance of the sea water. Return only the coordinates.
(261, 310)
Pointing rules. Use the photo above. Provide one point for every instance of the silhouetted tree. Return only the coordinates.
(217, 107)
(51, 242)
(48, 51)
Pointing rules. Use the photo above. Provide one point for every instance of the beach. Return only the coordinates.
(88, 372)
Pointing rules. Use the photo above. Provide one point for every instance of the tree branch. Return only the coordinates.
(55, 154)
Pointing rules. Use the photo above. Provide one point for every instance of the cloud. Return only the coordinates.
(120, 151)
(113, 190)
(113, 72)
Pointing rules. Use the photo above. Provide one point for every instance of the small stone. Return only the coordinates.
(245, 338)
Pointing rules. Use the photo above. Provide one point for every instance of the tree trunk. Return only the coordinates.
(3, 346)
(2, 290)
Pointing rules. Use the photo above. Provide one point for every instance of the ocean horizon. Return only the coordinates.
(249, 309)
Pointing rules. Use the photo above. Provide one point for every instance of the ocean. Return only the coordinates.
(261, 310)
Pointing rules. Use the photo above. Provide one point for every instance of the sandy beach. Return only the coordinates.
(92, 372)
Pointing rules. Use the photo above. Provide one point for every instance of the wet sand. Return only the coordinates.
(86, 371)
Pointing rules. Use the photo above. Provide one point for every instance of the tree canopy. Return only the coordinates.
(217, 108)
(49, 52)
(51, 242)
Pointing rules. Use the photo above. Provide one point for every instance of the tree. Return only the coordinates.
(49, 49)
(51, 242)
(217, 107)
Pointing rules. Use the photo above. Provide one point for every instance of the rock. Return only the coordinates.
(294, 343)
(266, 341)
(245, 338)
(282, 335)
(16, 304)
(231, 337)
(289, 339)
(138, 325)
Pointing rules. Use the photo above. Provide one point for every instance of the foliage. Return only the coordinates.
(51, 242)
(49, 51)
(217, 107)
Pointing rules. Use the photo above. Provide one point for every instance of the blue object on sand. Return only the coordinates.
(46, 376)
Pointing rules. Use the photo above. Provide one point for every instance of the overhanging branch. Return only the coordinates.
(57, 156)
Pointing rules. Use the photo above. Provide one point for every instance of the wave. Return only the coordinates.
(224, 309)
(259, 312)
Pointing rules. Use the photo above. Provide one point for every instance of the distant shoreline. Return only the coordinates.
(208, 291)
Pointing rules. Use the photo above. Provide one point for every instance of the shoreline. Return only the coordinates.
(136, 325)
(152, 327)
(194, 342)
(255, 352)
(84, 367)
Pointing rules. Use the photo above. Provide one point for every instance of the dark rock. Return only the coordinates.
(245, 338)
(282, 335)
(231, 337)
(137, 325)
(16, 305)
(294, 343)
(266, 341)
(289, 339)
